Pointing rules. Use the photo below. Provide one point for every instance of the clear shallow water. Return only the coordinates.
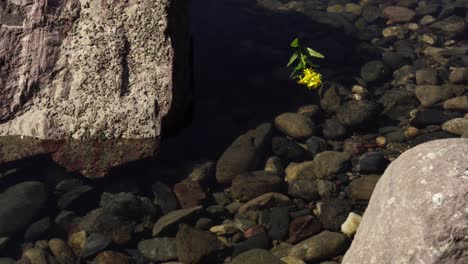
(240, 79)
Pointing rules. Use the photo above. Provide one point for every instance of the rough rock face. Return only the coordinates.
(417, 213)
(84, 73)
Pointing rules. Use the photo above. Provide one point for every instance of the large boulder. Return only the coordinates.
(92, 82)
(417, 213)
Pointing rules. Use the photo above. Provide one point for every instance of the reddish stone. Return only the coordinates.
(189, 193)
(302, 228)
(254, 230)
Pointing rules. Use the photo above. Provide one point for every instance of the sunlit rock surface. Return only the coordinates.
(90, 75)
(418, 211)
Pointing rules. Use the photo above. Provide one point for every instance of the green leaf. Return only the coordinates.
(295, 43)
(315, 54)
(292, 59)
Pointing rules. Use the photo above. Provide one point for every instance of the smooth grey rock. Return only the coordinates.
(418, 209)
(459, 103)
(333, 213)
(429, 95)
(374, 71)
(244, 154)
(19, 205)
(363, 187)
(37, 229)
(159, 249)
(287, 149)
(328, 163)
(164, 198)
(450, 27)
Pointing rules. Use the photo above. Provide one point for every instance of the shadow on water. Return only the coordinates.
(240, 79)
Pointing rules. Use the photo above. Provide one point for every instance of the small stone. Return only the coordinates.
(294, 125)
(394, 59)
(412, 26)
(77, 241)
(457, 126)
(246, 153)
(381, 141)
(7, 261)
(357, 113)
(350, 226)
(281, 250)
(118, 229)
(189, 193)
(333, 213)
(277, 222)
(429, 39)
(254, 230)
(328, 163)
(326, 189)
(265, 201)
(397, 31)
(19, 205)
(459, 103)
(335, 9)
(62, 252)
(374, 71)
(173, 218)
(399, 14)
(233, 207)
(224, 229)
(354, 9)
(204, 223)
(274, 165)
(111, 257)
(429, 95)
(76, 197)
(426, 77)
(429, 117)
(310, 111)
(404, 75)
(371, 163)
(459, 75)
(292, 260)
(93, 244)
(259, 241)
(316, 145)
(35, 256)
(332, 129)
(450, 27)
(362, 188)
(159, 249)
(426, 20)
(330, 100)
(412, 132)
(371, 13)
(353, 146)
(322, 246)
(287, 149)
(37, 229)
(124, 205)
(221, 198)
(249, 185)
(164, 198)
(305, 189)
(202, 172)
(303, 227)
(256, 256)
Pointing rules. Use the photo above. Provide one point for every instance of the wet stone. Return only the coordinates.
(164, 198)
(305, 189)
(371, 163)
(256, 256)
(159, 249)
(259, 241)
(95, 243)
(249, 185)
(173, 218)
(362, 188)
(296, 126)
(333, 213)
(277, 222)
(303, 227)
(316, 145)
(287, 149)
(189, 193)
(19, 205)
(319, 247)
(196, 246)
(37, 229)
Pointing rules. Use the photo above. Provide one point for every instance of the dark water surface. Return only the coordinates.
(240, 79)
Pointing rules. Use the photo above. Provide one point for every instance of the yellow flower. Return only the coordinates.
(310, 78)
